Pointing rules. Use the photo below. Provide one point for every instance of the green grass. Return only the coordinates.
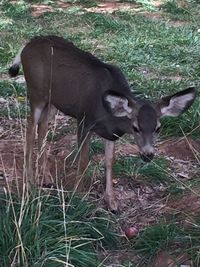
(97, 146)
(45, 229)
(156, 238)
(180, 10)
(12, 89)
(151, 53)
(15, 95)
(172, 238)
(154, 172)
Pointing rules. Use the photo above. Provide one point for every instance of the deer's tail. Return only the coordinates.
(14, 69)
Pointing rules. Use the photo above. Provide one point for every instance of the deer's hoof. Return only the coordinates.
(49, 185)
(112, 203)
(45, 180)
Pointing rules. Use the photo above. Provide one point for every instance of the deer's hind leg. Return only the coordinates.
(32, 121)
(43, 167)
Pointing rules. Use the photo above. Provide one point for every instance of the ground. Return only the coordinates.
(162, 43)
(141, 204)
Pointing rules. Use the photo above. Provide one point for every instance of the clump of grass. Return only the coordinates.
(155, 238)
(181, 10)
(94, 169)
(155, 171)
(15, 104)
(171, 7)
(126, 165)
(97, 146)
(171, 237)
(45, 229)
(8, 88)
(16, 9)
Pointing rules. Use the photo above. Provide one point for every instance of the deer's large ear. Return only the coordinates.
(178, 103)
(117, 104)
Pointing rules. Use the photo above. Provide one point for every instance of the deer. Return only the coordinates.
(60, 76)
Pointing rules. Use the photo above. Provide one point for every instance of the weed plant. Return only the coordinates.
(52, 229)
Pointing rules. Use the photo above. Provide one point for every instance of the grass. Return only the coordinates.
(97, 146)
(164, 236)
(155, 172)
(14, 97)
(45, 229)
(181, 10)
(151, 57)
(158, 50)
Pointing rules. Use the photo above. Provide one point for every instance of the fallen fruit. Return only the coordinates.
(131, 232)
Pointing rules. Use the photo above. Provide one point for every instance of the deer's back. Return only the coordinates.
(73, 80)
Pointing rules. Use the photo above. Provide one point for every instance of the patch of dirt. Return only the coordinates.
(111, 7)
(165, 259)
(116, 258)
(178, 23)
(126, 149)
(63, 4)
(11, 161)
(152, 15)
(188, 206)
(40, 9)
(101, 7)
(161, 16)
(152, 75)
(182, 148)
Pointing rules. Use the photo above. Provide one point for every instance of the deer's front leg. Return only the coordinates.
(109, 194)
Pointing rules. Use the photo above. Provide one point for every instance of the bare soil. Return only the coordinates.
(101, 7)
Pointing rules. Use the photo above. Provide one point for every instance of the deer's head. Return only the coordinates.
(145, 116)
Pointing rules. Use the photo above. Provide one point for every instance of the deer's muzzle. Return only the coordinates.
(147, 153)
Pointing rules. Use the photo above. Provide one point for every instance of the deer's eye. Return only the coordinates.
(135, 129)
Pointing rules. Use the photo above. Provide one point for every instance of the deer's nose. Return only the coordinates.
(147, 157)
(147, 153)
